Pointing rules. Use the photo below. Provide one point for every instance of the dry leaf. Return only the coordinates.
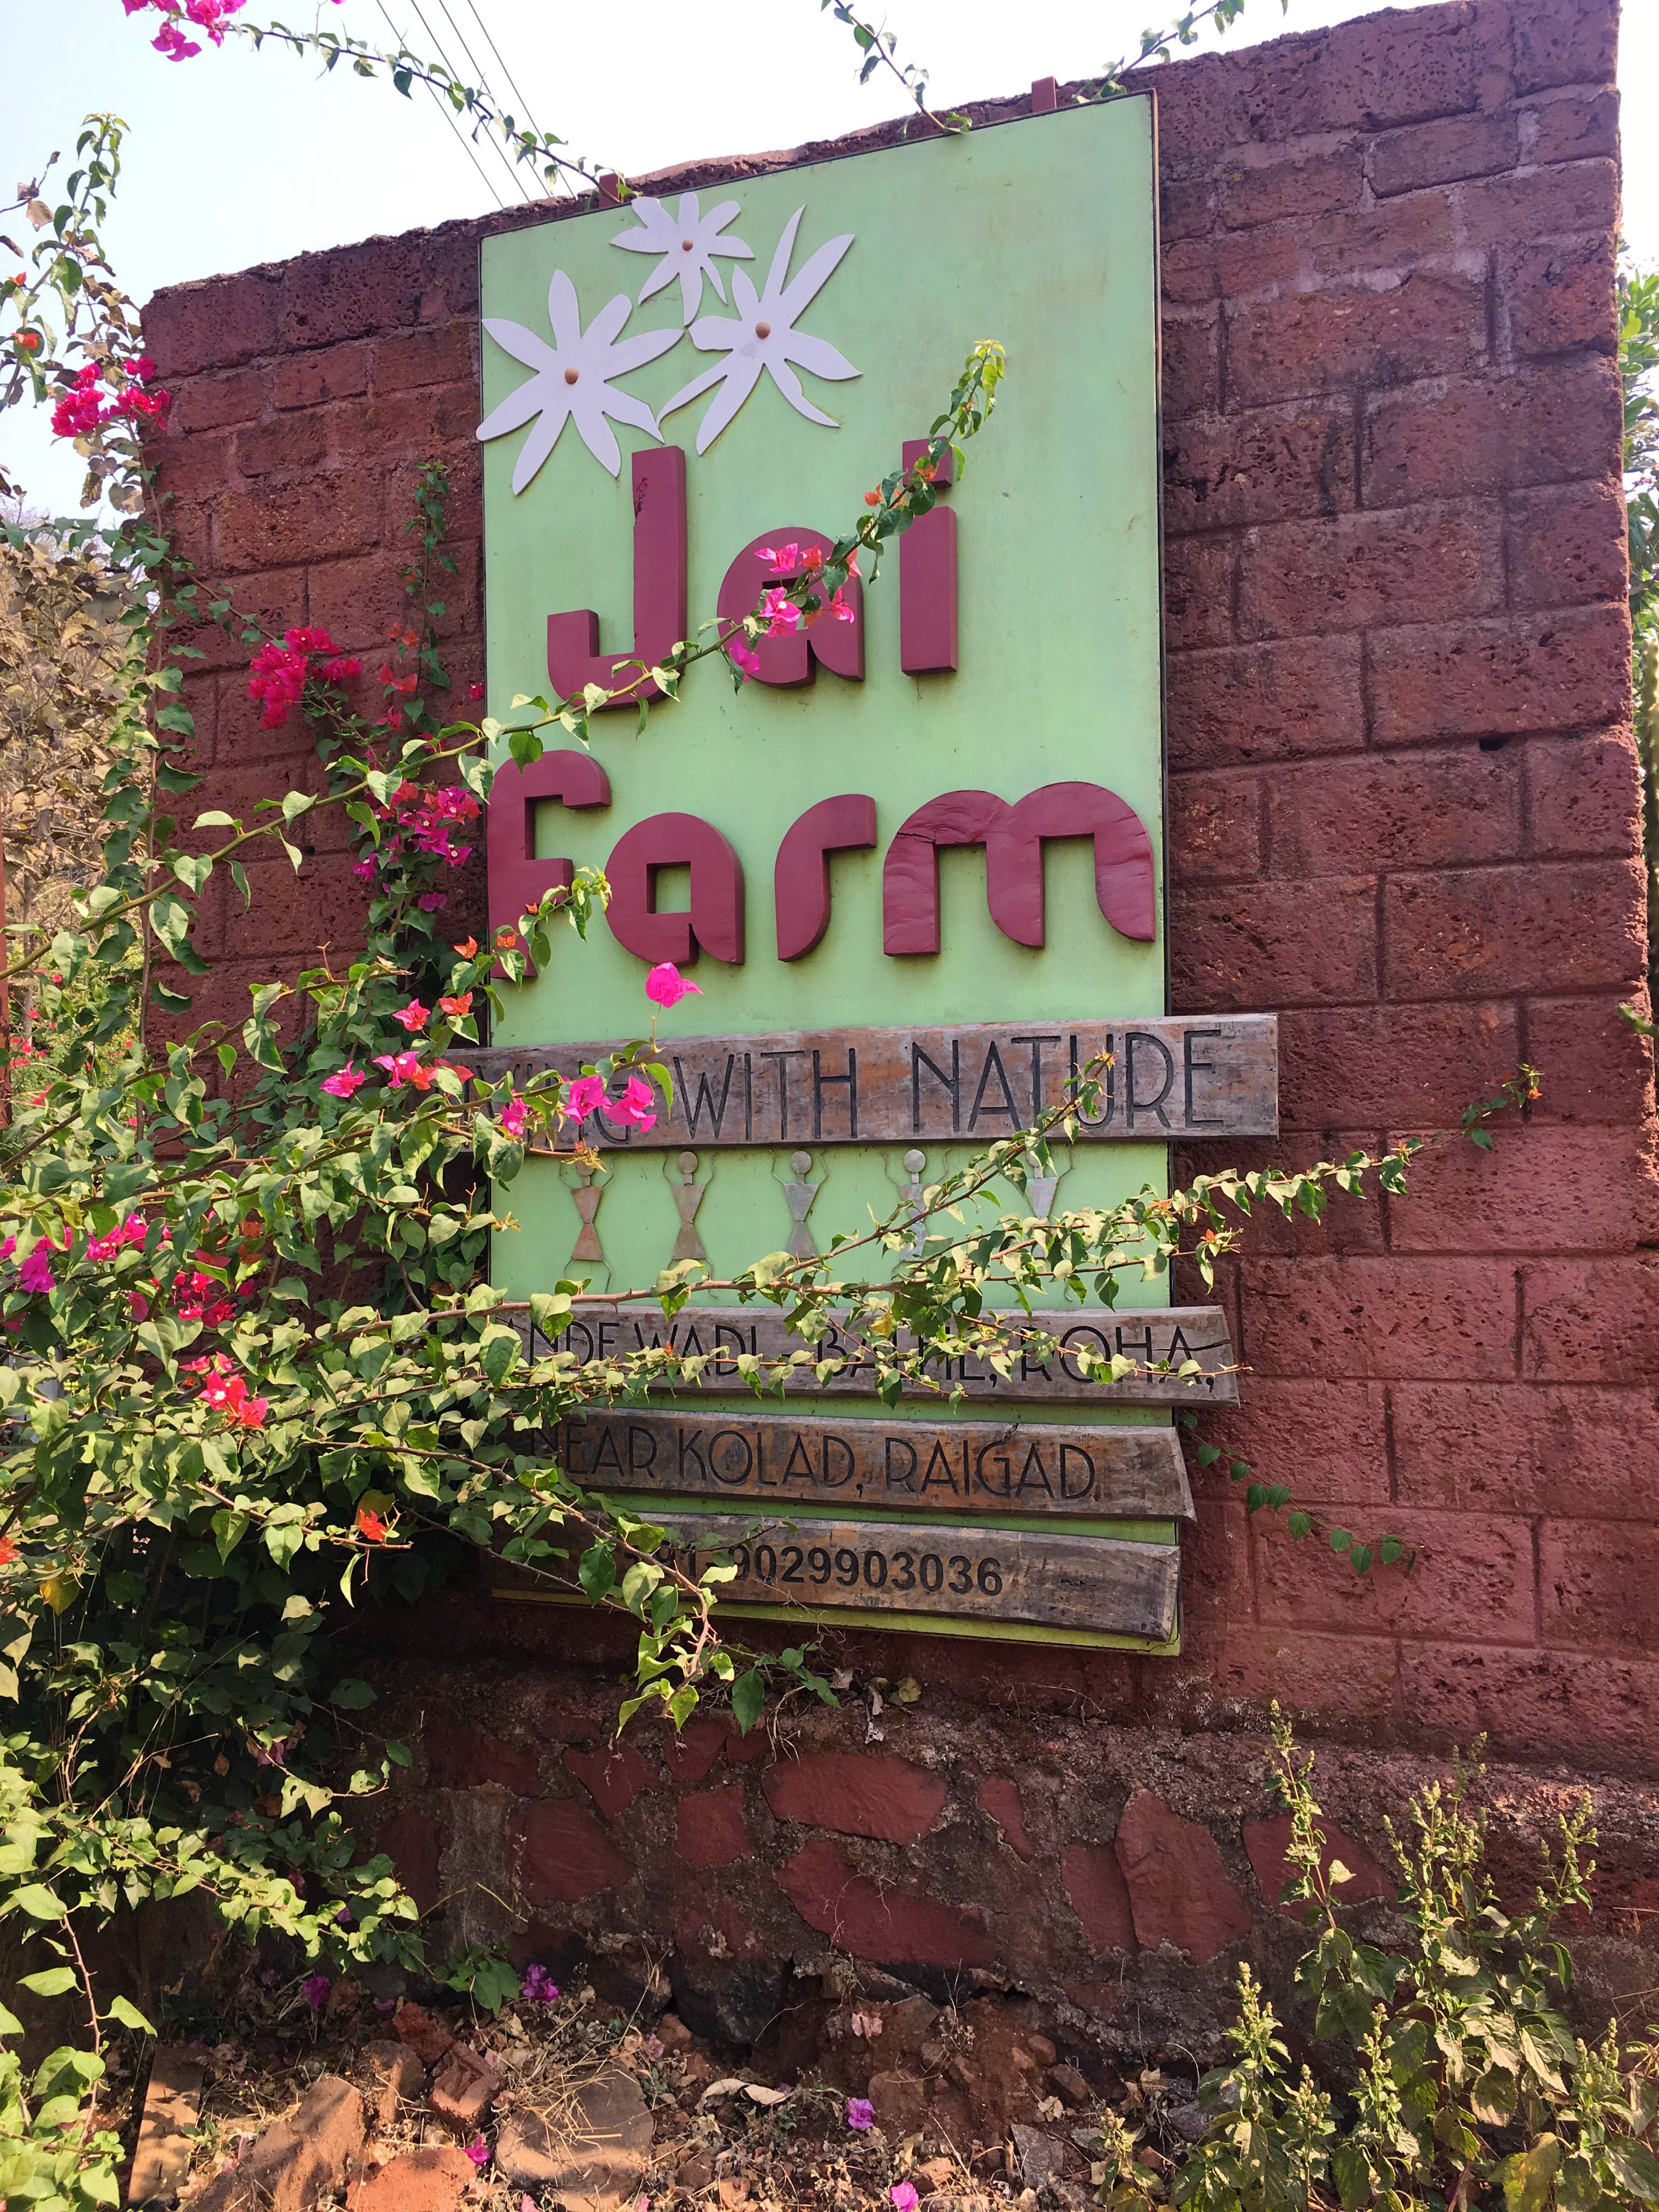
(38, 214)
(762, 2095)
(907, 1692)
(723, 2087)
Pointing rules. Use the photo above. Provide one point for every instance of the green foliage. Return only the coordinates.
(1467, 2084)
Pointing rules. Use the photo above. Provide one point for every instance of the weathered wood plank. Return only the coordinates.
(1164, 1336)
(989, 1574)
(1210, 1076)
(968, 1466)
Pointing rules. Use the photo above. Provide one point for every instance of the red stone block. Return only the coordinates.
(216, 324)
(710, 1830)
(441, 354)
(689, 1754)
(1274, 944)
(1442, 153)
(197, 466)
(1596, 1066)
(1544, 1189)
(1220, 471)
(358, 601)
(1186, 207)
(297, 914)
(1432, 322)
(1198, 590)
(1180, 1892)
(1586, 795)
(1341, 1682)
(1252, 261)
(874, 1921)
(1192, 374)
(1215, 826)
(209, 402)
(1540, 425)
(1366, 1318)
(1568, 545)
(462, 1758)
(613, 1776)
(1329, 1440)
(1378, 70)
(1473, 1578)
(335, 513)
(1591, 1710)
(431, 2179)
(431, 424)
(410, 1839)
(563, 1854)
(1557, 45)
(1561, 297)
(1561, 671)
(1591, 1320)
(1355, 571)
(998, 1795)
(1541, 203)
(1265, 184)
(856, 1794)
(1352, 1221)
(308, 380)
(1187, 271)
(1099, 1896)
(1386, 237)
(1464, 933)
(1401, 810)
(351, 292)
(1573, 126)
(1265, 703)
(463, 2091)
(1578, 1449)
(1599, 1582)
(1266, 1844)
(294, 444)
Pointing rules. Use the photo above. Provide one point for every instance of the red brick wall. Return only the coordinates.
(1404, 810)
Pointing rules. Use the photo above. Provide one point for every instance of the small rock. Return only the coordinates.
(1022, 2058)
(465, 2088)
(1069, 2083)
(167, 2134)
(398, 2076)
(1187, 2121)
(1087, 2139)
(430, 2180)
(1040, 2156)
(599, 2163)
(297, 2160)
(427, 2037)
(672, 2032)
(1042, 2049)
(960, 2072)
(694, 2172)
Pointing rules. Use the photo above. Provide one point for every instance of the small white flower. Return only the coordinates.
(686, 243)
(763, 336)
(574, 379)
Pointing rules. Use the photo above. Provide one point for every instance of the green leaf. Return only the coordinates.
(129, 2016)
(51, 1982)
(1636, 2166)
(1530, 2176)
(351, 1695)
(748, 1699)
(38, 1901)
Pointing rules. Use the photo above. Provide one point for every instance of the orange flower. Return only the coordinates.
(9, 1551)
(468, 948)
(873, 499)
(370, 1525)
(506, 939)
(457, 1009)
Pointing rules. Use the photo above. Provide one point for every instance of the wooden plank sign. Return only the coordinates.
(1159, 1337)
(1098, 1582)
(960, 1466)
(1166, 1078)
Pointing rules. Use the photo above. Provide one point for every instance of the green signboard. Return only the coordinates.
(893, 980)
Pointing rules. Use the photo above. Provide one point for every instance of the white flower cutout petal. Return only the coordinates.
(761, 335)
(687, 244)
(574, 379)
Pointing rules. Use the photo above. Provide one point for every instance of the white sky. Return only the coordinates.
(236, 157)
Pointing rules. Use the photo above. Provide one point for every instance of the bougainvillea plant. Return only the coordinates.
(257, 1378)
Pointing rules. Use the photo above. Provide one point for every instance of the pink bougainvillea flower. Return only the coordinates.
(860, 2115)
(478, 2151)
(514, 1115)
(34, 1271)
(779, 611)
(7, 1248)
(403, 1068)
(475, 690)
(743, 659)
(665, 987)
(637, 1104)
(840, 608)
(413, 1016)
(584, 1096)
(315, 1990)
(344, 1080)
(902, 2196)
(539, 1986)
(250, 1412)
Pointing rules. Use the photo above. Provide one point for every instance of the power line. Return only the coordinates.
(494, 99)
(448, 114)
(495, 143)
(513, 84)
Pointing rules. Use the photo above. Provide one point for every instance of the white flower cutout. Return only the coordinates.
(574, 379)
(763, 336)
(686, 243)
